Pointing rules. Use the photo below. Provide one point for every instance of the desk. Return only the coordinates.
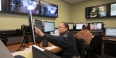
(27, 53)
(108, 48)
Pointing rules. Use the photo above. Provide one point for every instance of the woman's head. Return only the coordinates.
(84, 27)
(63, 27)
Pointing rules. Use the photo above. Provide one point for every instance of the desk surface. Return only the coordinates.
(108, 39)
(27, 53)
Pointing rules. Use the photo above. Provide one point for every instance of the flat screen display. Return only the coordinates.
(91, 12)
(79, 26)
(103, 11)
(96, 26)
(70, 26)
(38, 24)
(3, 5)
(49, 26)
(56, 32)
(20, 6)
(113, 9)
(0, 5)
(48, 9)
(110, 32)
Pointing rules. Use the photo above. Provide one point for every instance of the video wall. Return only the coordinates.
(101, 11)
(42, 8)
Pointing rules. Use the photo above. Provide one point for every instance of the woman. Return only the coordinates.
(85, 34)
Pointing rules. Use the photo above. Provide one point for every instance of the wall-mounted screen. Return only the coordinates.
(20, 6)
(95, 26)
(110, 32)
(113, 9)
(3, 5)
(91, 12)
(97, 11)
(79, 25)
(103, 11)
(49, 26)
(48, 9)
(0, 5)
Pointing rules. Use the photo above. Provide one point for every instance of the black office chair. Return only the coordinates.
(81, 47)
(95, 46)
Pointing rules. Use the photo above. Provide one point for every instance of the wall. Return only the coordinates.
(78, 12)
(14, 21)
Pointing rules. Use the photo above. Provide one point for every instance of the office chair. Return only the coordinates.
(95, 46)
(81, 47)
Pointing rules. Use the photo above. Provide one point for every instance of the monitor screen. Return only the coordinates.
(96, 26)
(49, 26)
(113, 9)
(97, 11)
(103, 11)
(91, 12)
(70, 26)
(0, 5)
(38, 24)
(56, 32)
(20, 6)
(79, 25)
(110, 32)
(48, 9)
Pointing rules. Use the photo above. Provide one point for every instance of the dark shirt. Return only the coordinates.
(66, 41)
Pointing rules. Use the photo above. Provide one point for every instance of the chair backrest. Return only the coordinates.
(81, 47)
(96, 42)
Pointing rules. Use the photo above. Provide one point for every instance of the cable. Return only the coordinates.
(23, 39)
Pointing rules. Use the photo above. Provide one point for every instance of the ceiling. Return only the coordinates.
(73, 1)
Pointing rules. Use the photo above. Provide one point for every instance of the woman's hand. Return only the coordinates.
(38, 32)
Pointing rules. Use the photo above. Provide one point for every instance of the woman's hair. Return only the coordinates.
(84, 27)
(66, 25)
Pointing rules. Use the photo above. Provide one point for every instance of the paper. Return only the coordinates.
(51, 47)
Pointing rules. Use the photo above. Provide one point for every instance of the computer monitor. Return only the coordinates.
(70, 26)
(48, 9)
(56, 32)
(3, 5)
(4, 52)
(79, 25)
(49, 26)
(113, 9)
(20, 6)
(110, 32)
(95, 26)
(39, 52)
(38, 24)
